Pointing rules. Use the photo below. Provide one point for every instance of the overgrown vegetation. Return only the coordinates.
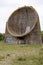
(26, 54)
(2, 36)
(42, 35)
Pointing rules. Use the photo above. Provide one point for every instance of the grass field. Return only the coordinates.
(24, 54)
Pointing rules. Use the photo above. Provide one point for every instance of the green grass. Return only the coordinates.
(24, 54)
(1, 57)
(28, 60)
(5, 46)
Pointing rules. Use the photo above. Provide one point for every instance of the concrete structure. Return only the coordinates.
(23, 27)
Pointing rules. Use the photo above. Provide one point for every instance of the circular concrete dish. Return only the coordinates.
(22, 21)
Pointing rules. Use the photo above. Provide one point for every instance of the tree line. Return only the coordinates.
(2, 36)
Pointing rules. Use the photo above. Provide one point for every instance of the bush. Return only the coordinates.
(2, 36)
(42, 35)
(21, 59)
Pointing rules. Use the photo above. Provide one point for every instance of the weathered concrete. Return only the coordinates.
(23, 27)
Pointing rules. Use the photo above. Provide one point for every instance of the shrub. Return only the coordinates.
(42, 35)
(2, 36)
(21, 59)
(8, 54)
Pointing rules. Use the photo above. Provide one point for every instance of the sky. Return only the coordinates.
(7, 7)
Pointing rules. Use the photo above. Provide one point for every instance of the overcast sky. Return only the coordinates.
(8, 6)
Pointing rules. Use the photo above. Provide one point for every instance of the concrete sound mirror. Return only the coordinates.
(23, 26)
